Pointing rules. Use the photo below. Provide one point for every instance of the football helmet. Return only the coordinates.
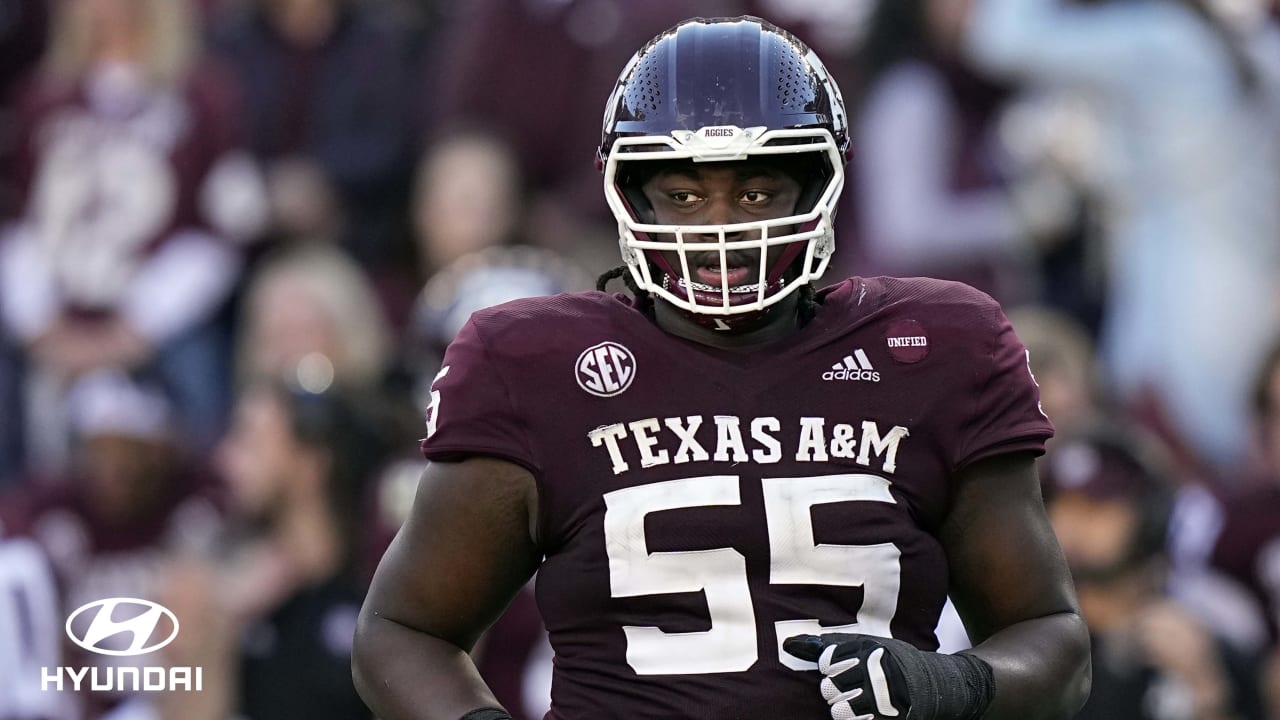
(722, 90)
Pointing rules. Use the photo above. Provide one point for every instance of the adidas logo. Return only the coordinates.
(853, 367)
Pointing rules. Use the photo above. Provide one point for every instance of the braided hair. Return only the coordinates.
(806, 310)
(644, 301)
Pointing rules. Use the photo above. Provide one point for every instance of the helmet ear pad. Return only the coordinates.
(631, 184)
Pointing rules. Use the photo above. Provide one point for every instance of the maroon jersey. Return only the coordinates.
(698, 506)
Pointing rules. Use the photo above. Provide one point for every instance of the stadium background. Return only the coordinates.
(236, 236)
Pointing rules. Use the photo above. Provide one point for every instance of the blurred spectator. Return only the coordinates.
(929, 194)
(133, 491)
(282, 582)
(1248, 547)
(1061, 355)
(102, 272)
(1264, 402)
(12, 432)
(30, 631)
(1187, 101)
(311, 315)
(22, 37)
(23, 33)
(1109, 500)
(310, 318)
(1062, 358)
(296, 463)
(1048, 140)
(326, 90)
(423, 22)
(468, 196)
(133, 501)
(468, 208)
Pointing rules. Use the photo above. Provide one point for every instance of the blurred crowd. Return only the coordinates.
(236, 236)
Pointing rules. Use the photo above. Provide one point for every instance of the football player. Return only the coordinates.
(744, 497)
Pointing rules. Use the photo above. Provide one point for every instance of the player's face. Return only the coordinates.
(722, 194)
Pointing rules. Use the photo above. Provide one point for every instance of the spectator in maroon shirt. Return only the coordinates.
(133, 502)
(133, 191)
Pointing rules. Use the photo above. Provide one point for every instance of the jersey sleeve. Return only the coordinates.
(1005, 413)
(472, 409)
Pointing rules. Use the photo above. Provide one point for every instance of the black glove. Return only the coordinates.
(874, 678)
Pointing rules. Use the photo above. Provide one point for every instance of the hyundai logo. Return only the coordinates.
(111, 621)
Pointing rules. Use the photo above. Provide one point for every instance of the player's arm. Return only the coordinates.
(466, 549)
(1012, 588)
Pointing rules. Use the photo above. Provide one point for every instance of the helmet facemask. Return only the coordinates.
(661, 257)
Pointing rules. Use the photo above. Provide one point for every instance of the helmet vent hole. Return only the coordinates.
(792, 77)
(645, 94)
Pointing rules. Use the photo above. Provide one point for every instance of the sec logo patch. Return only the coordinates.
(605, 370)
